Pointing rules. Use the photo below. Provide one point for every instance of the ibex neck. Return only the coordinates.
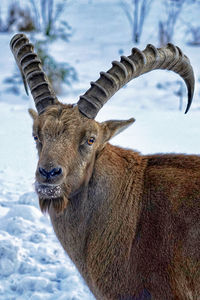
(92, 228)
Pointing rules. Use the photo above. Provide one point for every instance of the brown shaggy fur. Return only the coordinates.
(59, 204)
(131, 223)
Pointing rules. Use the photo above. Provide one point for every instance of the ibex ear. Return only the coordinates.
(33, 113)
(113, 127)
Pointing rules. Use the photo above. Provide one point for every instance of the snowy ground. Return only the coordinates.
(32, 263)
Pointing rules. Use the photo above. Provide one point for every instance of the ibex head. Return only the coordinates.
(67, 136)
(68, 144)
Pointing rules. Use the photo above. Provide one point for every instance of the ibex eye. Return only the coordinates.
(90, 141)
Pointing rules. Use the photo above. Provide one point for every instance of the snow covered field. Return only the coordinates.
(32, 263)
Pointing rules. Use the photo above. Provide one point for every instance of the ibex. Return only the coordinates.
(130, 223)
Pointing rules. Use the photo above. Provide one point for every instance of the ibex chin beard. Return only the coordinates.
(48, 195)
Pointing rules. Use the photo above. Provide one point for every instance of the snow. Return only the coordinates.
(32, 263)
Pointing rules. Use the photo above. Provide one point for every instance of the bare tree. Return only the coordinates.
(47, 18)
(166, 27)
(193, 33)
(136, 12)
(192, 25)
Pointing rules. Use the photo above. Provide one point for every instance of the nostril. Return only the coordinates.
(43, 172)
(56, 171)
(52, 173)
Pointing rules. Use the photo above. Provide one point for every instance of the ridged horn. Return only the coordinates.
(32, 72)
(139, 62)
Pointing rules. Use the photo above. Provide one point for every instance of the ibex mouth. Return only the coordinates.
(50, 194)
(48, 190)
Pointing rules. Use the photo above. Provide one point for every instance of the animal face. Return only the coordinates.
(67, 144)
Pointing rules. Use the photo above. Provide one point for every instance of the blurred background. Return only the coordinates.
(68, 34)
(75, 41)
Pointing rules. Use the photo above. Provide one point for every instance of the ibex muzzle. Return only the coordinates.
(50, 174)
(130, 223)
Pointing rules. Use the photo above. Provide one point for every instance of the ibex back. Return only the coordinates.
(130, 223)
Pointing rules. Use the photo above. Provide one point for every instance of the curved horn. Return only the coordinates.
(138, 63)
(32, 72)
